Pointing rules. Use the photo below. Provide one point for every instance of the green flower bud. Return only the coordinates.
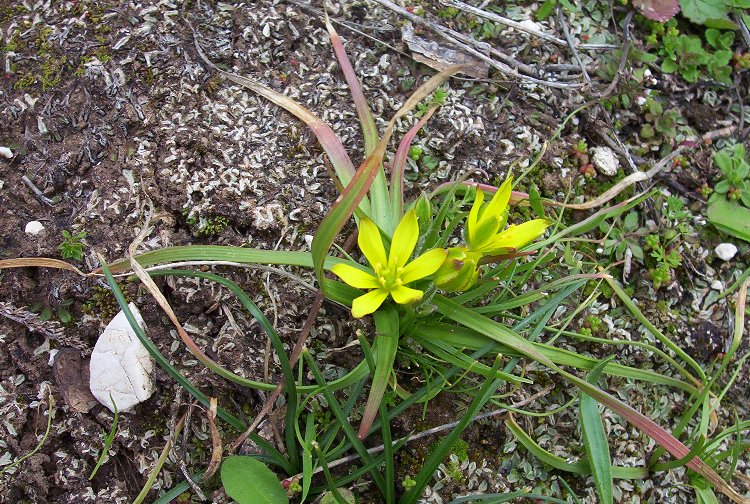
(459, 271)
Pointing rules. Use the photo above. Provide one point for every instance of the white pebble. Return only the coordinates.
(717, 285)
(6, 152)
(41, 126)
(121, 366)
(605, 161)
(725, 251)
(34, 227)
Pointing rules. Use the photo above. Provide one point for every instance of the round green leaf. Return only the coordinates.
(249, 481)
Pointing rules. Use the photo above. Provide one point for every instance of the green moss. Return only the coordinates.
(24, 82)
(461, 450)
(212, 226)
(51, 72)
(102, 303)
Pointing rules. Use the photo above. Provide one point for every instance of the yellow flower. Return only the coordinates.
(484, 223)
(389, 274)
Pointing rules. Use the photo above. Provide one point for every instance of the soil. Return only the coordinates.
(112, 118)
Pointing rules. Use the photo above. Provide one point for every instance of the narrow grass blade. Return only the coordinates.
(441, 451)
(656, 333)
(230, 254)
(273, 455)
(107, 440)
(595, 439)
(159, 464)
(39, 262)
(504, 335)
(386, 341)
(399, 165)
(351, 436)
(290, 386)
(385, 431)
(379, 190)
(307, 460)
(518, 496)
(552, 460)
(328, 140)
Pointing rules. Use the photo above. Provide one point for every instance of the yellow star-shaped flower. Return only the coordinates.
(389, 274)
(484, 223)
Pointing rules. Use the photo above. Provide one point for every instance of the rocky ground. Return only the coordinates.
(110, 116)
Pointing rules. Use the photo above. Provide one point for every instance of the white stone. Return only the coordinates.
(34, 227)
(717, 285)
(121, 366)
(41, 126)
(6, 152)
(725, 251)
(605, 161)
(531, 25)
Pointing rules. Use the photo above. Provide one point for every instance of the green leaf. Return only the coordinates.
(386, 341)
(595, 439)
(356, 190)
(721, 24)
(722, 187)
(545, 10)
(631, 221)
(535, 200)
(647, 131)
(700, 11)
(731, 218)
(669, 66)
(64, 315)
(249, 481)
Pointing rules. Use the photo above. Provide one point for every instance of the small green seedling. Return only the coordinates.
(72, 245)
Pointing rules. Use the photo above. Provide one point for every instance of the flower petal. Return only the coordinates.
(499, 202)
(424, 265)
(404, 240)
(370, 242)
(471, 220)
(355, 276)
(405, 295)
(516, 237)
(368, 303)
(493, 216)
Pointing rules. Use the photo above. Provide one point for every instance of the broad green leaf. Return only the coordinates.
(730, 217)
(249, 481)
(700, 11)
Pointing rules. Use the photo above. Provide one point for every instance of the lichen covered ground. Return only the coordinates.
(112, 117)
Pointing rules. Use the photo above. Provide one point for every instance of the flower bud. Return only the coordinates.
(459, 271)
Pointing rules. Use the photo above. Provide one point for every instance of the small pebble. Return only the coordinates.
(725, 251)
(34, 227)
(605, 161)
(6, 152)
(717, 285)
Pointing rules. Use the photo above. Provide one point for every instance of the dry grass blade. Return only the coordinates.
(39, 262)
(217, 450)
(623, 184)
